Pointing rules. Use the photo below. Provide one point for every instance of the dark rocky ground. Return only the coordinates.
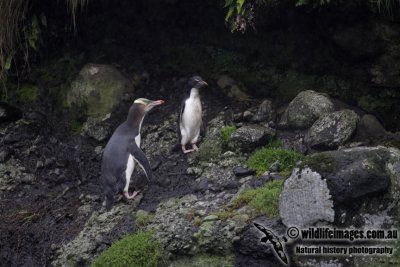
(36, 215)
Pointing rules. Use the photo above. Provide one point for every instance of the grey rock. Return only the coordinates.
(96, 129)
(13, 174)
(332, 130)
(201, 186)
(5, 155)
(275, 167)
(265, 112)
(98, 87)
(305, 109)
(249, 137)
(305, 199)
(247, 115)
(39, 164)
(83, 248)
(370, 128)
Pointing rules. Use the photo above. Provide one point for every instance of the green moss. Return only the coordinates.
(225, 214)
(261, 160)
(211, 148)
(139, 249)
(226, 133)
(264, 199)
(75, 126)
(28, 93)
(204, 261)
(143, 218)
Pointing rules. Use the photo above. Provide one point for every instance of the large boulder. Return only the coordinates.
(352, 173)
(339, 177)
(265, 112)
(99, 88)
(249, 137)
(371, 129)
(332, 130)
(305, 109)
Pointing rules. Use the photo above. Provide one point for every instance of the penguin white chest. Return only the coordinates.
(191, 121)
(130, 166)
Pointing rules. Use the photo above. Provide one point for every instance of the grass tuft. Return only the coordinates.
(139, 249)
(264, 199)
(226, 133)
(261, 160)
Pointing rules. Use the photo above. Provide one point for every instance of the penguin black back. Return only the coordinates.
(123, 150)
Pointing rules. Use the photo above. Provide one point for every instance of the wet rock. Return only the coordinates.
(49, 161)
(249, 137)
(39, 164)
(85, 246)
(240, 171)
(352, 173)
(13, 137)
(332, 130)
(249, 243)
(370, 128)
(305, 109)
(13, 174)
(96, 129)
(305, 199)
(98, 87)
(5, 154)
(265, 112)
(201, 186)
(247, 115)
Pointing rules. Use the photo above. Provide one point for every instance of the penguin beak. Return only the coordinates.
(203, 83)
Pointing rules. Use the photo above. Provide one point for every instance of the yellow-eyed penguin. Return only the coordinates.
(190, 120)
(123, 150)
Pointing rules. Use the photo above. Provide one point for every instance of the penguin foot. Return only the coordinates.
(134, 194)
(195, 148)
(186, 150)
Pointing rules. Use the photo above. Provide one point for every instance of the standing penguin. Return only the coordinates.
(122, 150)
(190, 120)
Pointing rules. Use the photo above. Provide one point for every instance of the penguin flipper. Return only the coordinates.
(141, 159)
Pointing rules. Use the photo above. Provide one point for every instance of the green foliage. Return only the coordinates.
(139, 249)
(261, 160)
(264, 199)
(143, 218)
(226, 133)
(27, 93)
(370, 103)
(225, 214)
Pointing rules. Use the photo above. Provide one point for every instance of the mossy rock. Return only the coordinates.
(139, 249)
(99, 88)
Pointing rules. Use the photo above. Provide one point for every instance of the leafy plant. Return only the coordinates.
(139, 249)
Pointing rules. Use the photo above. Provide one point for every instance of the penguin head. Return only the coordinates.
(197, 82)
(148, 104)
